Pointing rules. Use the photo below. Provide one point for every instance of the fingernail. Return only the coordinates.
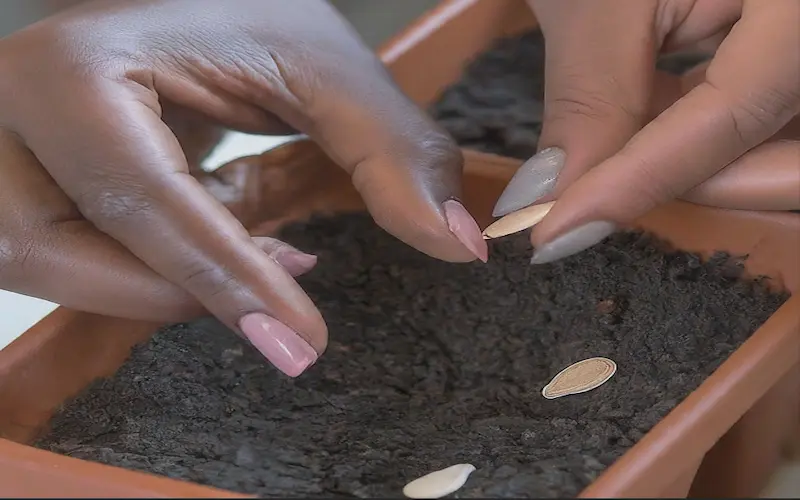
(577, 240)
(293, 260)
(464, 227)
(535, 178)
(283, 347)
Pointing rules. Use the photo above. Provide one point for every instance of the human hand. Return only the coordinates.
(49, 250)
(84, 90)
(604, 155)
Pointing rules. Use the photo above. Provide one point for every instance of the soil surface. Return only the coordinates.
(430, 364)
(497, 106)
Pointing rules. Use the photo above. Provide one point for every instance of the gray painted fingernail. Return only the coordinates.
(534, 179)
(577, 240)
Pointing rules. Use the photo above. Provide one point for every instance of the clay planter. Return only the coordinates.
(723, 440)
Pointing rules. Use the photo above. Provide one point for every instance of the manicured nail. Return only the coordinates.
(283, 347)
(577, 240)
(464, 227)
(293, 260)
(535, 178)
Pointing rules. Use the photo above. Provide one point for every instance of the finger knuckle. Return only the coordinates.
(439, 148)
(281, 74)
(428, 152)
(649, 185)
(269, 77)
(209, 281)
(79, 52)
(755, 116)
(16, 258)
(601, 104)
(776, 104)
(113, 207)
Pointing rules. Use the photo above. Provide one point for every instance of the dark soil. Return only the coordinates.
(430, 364)
(497, 106)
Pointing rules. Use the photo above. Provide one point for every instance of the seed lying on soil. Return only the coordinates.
(583, 376)
(439, 483)
(517, 221)
(606, 306)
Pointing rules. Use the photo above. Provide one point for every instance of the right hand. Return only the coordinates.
(85, 91)
(611, 153)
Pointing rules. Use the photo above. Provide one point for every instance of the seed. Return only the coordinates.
(606, 306)
(439, 483)
(517, 221)
(583, 376)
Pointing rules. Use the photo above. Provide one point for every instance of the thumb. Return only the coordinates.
(408, 172)
(406, 168)
(599, 70)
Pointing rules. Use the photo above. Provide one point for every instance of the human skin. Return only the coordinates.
(719, 137)
(100, 212)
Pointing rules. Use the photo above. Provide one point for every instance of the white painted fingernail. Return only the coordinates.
(575, 241)
(535, 178)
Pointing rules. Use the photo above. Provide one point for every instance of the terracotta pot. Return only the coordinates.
(722, 440)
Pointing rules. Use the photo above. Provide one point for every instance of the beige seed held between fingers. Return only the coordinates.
(439, 483)
(581, 377)
(517, 221)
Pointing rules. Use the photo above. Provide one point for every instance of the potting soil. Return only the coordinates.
(497, 106)
(430, 364)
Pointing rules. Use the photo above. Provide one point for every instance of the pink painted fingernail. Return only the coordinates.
(296, 262)
(282, 346)
(464, 227)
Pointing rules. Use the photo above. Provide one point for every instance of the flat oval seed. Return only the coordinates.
(582, 376)
(439, 483)
(517, 221)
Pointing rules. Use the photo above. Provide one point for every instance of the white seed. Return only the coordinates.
(439, 483)
(517, 221)
(582, 376)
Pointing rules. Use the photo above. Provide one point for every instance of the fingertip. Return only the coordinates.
(300, 263)
(466, 229)
(282, 346)
(295, 261)
(573, 241)
(535, 179)
(406, 182)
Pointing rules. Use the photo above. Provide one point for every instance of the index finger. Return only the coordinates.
(127, 174)
(749, 94)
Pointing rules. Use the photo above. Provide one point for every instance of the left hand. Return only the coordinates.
(89, 93)
(49, 250)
